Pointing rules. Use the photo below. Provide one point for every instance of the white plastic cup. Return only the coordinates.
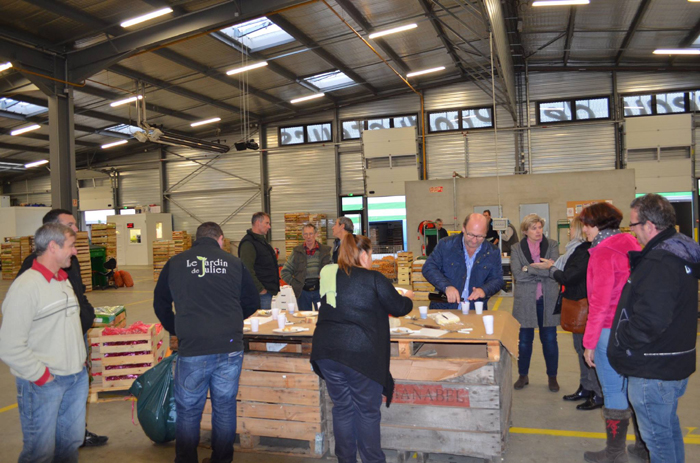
(479, 307)
(282, 321)
(275, 313)
(465, 307)
(423, 311)
(488, 323)
(318, 305)
(254, 325)
(291, 307)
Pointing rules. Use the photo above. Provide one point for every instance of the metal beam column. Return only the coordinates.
(61, 151)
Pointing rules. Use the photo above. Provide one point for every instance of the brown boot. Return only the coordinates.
(553, 384)
(521, 382)
(616, 424)
(638, 449)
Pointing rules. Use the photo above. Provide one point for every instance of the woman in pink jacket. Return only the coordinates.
(608, 271)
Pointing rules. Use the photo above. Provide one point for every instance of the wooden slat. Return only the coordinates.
(290, 364)
(487, 397)
(271, 428)
(128, 359)
(144, 347)
(445, 418)
(430, 440)
(303, 413)
(279, 379)
(278, 395)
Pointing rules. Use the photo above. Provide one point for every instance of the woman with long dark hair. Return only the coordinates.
(351, 347)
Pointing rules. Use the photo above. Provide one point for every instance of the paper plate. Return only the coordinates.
(295, 329)
(304, 314)
(400, 331)
(246, 329)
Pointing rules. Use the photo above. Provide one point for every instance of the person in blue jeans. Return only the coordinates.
(655, 325)
(534, 299)
(213, 293)
(303, 267)
(41, 340)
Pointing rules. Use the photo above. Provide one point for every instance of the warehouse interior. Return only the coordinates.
(216, 109)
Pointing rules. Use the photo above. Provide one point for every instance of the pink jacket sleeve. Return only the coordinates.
(600, 282)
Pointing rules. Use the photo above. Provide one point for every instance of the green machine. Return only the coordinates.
(98, 256)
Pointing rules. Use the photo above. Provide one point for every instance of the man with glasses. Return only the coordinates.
(303, 268)
(653, 337)
(464, 266)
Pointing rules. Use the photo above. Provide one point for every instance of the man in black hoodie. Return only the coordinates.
(655, 326)
(213, 293)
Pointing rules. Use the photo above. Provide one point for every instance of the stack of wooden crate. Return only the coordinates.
(82, 244)
(181, 241)
(421, 287)
(163, 250)
(227, 245)
(404, 261)
(26, 246)
(293, 225)
(105, 234)
(386, 266)
(11, 258)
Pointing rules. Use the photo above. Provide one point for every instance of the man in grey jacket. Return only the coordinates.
(41, 340)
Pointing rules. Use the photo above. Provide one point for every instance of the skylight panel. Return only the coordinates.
(258, 34)
(125, 129)
(19, 107)
(330, 80)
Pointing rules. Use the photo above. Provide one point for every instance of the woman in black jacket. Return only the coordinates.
(570, 272)
(351, 347)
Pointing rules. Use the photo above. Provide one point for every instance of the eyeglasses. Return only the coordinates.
(476, 237)
(635, 224)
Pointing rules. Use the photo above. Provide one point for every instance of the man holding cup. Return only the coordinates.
(213, 292)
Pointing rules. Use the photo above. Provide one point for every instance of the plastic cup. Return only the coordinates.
(318, 305)
(479, 307)
(291, 307)
(254, 325)
(282, 321)
(465, 307)
(488, 323)
(275, 313)
(423, 311)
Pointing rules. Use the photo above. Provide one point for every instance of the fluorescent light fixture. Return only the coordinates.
(407, 27)
(246, 68)
(116, 143)
(5, 66)
(677, 51)
(306, 98)
(36, 163)
(208, 121)
(560, 2)
(425, 71)
(26, 129)
(125, 101)
(146, 17)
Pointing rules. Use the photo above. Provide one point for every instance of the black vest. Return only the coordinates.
(266, 268)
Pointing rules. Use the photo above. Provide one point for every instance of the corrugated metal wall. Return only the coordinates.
(634, 82)
(139, 185)
(39, 189)
(481, 154)
(404, 104)
(351, 172)
(552, 85)
(208, 196)
(446, 154)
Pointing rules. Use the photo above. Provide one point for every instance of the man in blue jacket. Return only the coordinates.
(465, 266)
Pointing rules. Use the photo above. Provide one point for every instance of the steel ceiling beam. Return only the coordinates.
(305, 40)
(43, 120)
(27, 57)
(688, 40)
(38, 136)
(27, 38)
(90, 60)
(359, 18)
(172, 88)
(599, 68)
(437, 27)
(31, 149)
(569, 34)
(77, 15)
(184, 61)
(638, 17)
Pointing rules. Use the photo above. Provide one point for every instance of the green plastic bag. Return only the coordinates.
(154, 391)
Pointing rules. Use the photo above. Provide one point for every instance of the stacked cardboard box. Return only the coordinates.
(11, 258)
(105, 234)
(163, 250)
(82, 244)
(293, 225)
(421, 287)
(404, 261)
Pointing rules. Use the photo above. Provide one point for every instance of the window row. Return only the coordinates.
(460, 119)
(661, 103)
(309, 133)
(352, 130)
(573, 110)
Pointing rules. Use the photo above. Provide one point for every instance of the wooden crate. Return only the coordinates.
(151, 348)
(280, 405)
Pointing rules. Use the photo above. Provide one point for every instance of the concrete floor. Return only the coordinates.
(545, 428)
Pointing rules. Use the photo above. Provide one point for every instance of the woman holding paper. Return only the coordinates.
(351, 347)
(534, 298)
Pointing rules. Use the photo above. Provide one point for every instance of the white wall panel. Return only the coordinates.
(455, 96)
(446, 154)
(404, 104)
(351, 171)
(634, 82)
(552, 85)
(39, 190)
(576, 148)
(481, 154)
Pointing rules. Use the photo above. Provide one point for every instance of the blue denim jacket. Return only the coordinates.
(446, 267)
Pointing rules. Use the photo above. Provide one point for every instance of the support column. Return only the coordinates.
(62, 151)
(163, 176)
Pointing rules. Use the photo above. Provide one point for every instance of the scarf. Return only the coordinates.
(327, 287)
(535, 253)
(607, 233)
(570, 248)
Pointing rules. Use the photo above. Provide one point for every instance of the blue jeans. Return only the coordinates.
(356, 412)
(308, 300)
(655, 403)
(548, 338)
(194, 376)
(265, 301)
(613, 384)
(52, 418)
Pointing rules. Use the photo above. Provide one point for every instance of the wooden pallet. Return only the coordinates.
(109, 394)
